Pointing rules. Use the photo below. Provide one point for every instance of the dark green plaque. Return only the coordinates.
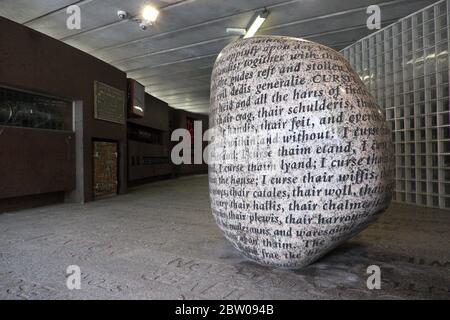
(109, 103)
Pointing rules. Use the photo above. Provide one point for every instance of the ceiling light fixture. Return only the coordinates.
(150, 14)
(257, 23)
(236, 31)
(147, 17)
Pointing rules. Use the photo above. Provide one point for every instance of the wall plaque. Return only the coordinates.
(109, 103)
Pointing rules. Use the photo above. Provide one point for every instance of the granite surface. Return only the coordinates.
(301, 158)
(160, 241)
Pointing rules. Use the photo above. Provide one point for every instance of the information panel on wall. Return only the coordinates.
(136, 99)
(109, 103)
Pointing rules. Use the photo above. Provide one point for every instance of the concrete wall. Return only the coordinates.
(32, 61)
(166, 119)
(179, 120)
(156, 114)
(43, 165)
(156, 117)
(34, 161)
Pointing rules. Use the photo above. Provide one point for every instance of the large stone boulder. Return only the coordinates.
(300, 157)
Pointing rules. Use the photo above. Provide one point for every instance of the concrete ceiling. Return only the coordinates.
(174, 58)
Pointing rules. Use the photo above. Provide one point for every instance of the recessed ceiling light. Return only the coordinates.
(150, 14)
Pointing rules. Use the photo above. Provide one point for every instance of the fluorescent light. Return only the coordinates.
(256, 24)
(150, 14)
(138, 108)
(236, 31)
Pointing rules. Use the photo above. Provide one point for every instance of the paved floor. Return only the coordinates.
(160, 242)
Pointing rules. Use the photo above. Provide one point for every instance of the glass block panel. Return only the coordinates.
(409, 61)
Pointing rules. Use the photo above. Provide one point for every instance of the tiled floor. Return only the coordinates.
(160, 242)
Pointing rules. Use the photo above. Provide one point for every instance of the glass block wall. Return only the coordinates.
(406, 67)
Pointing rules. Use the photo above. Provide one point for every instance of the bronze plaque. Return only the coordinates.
(105, 168)
(109, 103)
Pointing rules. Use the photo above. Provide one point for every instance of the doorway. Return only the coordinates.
(105, 169)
